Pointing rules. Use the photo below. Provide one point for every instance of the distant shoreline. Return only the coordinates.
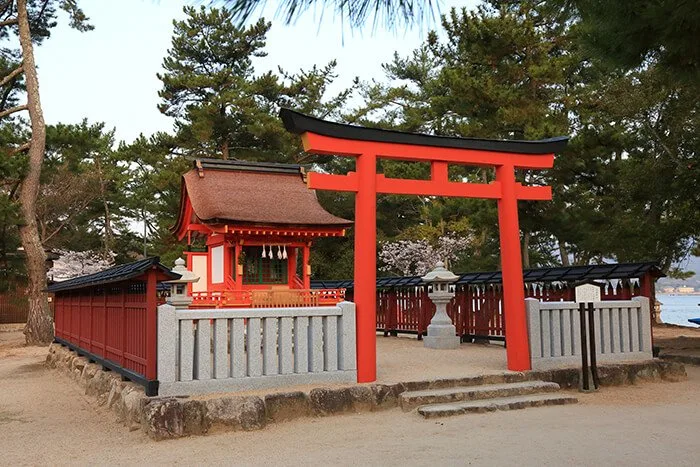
(693, 294)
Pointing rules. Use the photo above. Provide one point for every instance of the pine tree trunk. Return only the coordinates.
(225, 151)
(108, 243)
(39, 327)
(564, 254)
(526, 250)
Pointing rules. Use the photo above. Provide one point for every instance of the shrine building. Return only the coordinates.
(257, 222)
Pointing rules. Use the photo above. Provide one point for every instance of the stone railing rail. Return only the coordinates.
(622, 332)
(217, 350)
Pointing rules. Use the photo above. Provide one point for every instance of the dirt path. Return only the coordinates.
(44, 419)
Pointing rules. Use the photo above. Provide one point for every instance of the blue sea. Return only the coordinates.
(677, 309)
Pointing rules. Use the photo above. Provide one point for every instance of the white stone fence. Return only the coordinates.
(622, 332)
(219, 350)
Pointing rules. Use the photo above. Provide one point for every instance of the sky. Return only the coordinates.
(109, 74)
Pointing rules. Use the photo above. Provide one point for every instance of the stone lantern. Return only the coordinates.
(178, 287)
(441, 331)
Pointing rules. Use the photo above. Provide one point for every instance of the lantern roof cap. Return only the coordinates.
(186, 276)
(440, 274)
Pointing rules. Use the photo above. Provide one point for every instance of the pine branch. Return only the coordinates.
(5, 6)
(12, 75)
(7, 112)
(21, 148)
(356, 12)
(8, 22)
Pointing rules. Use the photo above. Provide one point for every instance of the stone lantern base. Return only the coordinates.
(441, 336)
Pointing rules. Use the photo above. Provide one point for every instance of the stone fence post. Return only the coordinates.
(646, 322)
(346, 337)
(167, 343)
(532, 308)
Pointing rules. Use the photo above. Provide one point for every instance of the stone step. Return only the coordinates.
(491, 405)
(412, 399)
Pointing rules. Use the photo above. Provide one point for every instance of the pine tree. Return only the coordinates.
(30, 21)
(209, 85)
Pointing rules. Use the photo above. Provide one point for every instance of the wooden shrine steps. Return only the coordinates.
(483, 398)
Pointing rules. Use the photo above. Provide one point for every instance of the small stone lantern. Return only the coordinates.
(441, 331)
(178, 287)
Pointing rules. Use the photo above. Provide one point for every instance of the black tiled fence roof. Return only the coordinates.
(555, 274)
(119, 273)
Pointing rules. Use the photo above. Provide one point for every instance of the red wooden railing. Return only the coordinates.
(476, 310)
(116, 322)
(260, 298)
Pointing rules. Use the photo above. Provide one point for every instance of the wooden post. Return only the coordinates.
(92, 320)
(229, 266)
(291, 267)
(306, 266)
(391, 317)
(237, 278)
(80, 318)
(122, 344)
(646, 289)
(517, 350)
(151, 326)
(104, 324)
(366, 267)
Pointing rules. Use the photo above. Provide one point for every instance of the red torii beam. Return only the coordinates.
(366, 145)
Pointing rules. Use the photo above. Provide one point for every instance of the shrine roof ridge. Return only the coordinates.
(239, 165)
(299, 123)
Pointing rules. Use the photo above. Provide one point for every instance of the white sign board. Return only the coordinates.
(217, 264)
(587, 293)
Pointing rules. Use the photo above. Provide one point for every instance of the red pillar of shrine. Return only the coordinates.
(306, 254)
(517, 347)
(366, 268)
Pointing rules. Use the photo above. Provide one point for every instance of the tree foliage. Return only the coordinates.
(625, 189)
(357, 13)
(630, 35)
(222, 108)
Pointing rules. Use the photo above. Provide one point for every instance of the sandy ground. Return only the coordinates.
(398, 358)
(44, 419)
(677, 340)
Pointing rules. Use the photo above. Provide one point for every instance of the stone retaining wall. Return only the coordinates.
(175, 417)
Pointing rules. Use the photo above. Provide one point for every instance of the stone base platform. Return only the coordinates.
(175, 417)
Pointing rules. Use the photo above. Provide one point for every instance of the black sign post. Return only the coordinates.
(591, 340)
(588, 342)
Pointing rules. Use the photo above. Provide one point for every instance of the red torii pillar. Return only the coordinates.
(366, 145)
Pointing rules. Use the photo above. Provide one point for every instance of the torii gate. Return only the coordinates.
(366, 145)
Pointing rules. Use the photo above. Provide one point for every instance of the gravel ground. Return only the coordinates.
(44, 419)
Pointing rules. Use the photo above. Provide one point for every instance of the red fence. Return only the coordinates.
(115, 324)
(477, 310)
(14, 307)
